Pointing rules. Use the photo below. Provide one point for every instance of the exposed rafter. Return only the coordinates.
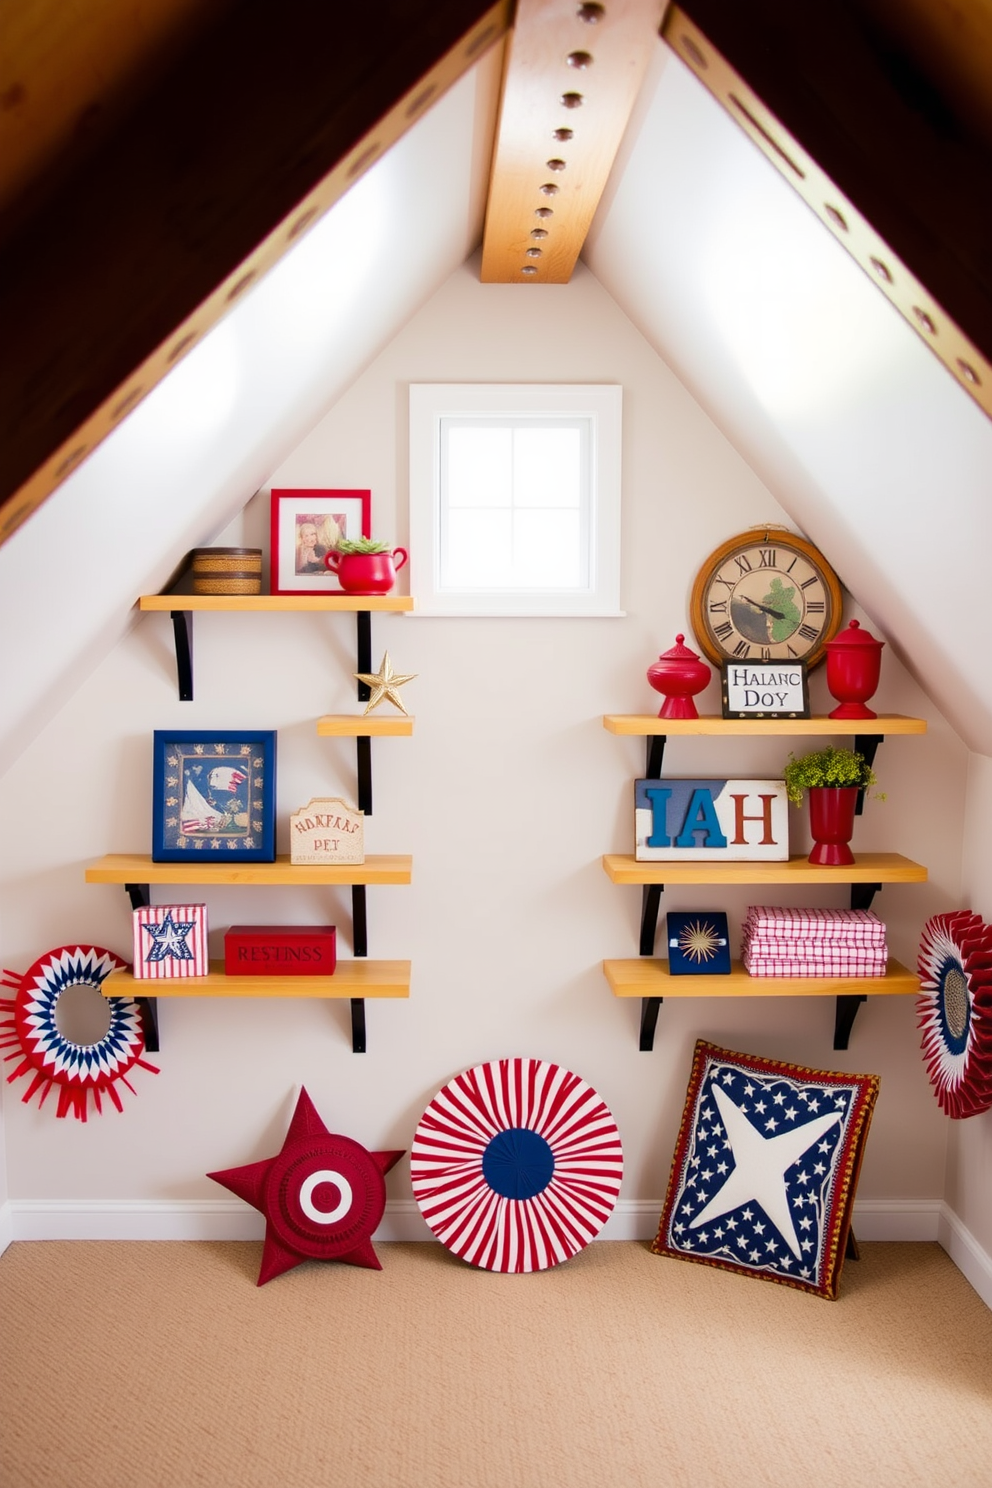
(259, 126)
(573, 71)
(890, 155)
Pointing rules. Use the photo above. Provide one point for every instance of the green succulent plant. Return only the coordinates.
(360, 545)
(829, 767)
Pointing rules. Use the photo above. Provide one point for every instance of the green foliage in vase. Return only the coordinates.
(829, 767)
(360, 545)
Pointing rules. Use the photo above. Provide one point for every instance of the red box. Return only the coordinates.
(280, 950)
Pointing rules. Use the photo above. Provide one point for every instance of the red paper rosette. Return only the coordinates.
(79, 1070)
(516, 1165)
(954, 1010)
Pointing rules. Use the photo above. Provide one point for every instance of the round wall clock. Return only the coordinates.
(765, 595)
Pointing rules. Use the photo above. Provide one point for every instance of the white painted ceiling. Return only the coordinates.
(841, 410)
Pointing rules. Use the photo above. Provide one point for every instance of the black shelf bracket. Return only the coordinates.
(140, 897)
(649, 1022)
(866, 744)
(182, 628)
(655, 755)
(650, 904)
(360, 946)
(847, 1011)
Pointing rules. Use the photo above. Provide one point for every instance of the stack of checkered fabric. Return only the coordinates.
(779, 942)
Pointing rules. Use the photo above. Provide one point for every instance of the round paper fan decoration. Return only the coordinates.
(516, 1165)
(79, 1070)
(954, 1010)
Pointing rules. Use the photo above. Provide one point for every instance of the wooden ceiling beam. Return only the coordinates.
(572, 73)
(872, 131)
(257, 128)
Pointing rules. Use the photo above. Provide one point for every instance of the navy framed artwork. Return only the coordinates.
(698, 943)
(214, 795)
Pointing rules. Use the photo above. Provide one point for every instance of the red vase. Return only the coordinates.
(366, 573)
(679, 674)
(854, 661)
(831, 821)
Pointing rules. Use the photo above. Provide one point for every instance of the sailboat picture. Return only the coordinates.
(214, 795)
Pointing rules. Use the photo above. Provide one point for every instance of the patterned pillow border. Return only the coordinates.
(782, 1213)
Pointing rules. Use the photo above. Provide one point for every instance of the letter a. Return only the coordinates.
(701, 817)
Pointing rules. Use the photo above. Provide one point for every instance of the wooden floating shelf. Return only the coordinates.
(870, 867)
(650, 977)
(358, 726)
(359, 978)
(269, 603)
(644, 725)
(127, 868)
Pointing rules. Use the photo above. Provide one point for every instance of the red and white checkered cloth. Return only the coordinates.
(848, 925)
(779, 942)
(824, 966)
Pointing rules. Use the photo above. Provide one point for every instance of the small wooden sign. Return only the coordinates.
(710, 820)
(327, 830)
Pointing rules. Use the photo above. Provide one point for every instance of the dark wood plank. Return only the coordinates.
(191, 197)
(889, 129)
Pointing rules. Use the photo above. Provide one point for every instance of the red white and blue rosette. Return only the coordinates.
(954, 1010)
(516, 1165)
(31, 1030)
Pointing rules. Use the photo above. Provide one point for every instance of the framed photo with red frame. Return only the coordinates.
(306, 524)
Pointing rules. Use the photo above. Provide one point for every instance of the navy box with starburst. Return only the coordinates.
(698, 943)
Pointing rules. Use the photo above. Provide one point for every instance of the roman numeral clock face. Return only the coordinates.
(766, 595)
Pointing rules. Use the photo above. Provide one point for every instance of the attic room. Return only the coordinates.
(233, 245)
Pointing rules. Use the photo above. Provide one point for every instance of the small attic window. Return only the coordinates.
(515, 498)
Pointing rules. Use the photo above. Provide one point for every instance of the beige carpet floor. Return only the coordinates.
(127, 1365)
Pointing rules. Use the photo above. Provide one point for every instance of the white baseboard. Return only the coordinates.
(6, 1225)
(230, 1219)
(974, 1263)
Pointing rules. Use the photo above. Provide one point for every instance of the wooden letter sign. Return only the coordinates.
(328, 830)
(710, 820)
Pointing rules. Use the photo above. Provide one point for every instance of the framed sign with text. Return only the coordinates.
(764, 689)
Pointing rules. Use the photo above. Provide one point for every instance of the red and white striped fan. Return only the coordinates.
(516, 1165)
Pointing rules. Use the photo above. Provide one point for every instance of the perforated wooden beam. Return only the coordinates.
(573, 71)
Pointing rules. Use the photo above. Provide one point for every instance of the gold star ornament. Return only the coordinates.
(384, 684)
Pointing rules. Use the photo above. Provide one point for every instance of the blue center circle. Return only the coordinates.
(518, 1163)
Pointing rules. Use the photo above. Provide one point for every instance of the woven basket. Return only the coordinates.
(227, 570)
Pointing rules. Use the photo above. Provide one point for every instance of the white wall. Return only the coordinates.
(507, 795)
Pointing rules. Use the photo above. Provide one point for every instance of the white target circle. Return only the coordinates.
(326, 1216)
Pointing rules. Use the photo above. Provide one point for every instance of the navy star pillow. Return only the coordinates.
(765, 1168)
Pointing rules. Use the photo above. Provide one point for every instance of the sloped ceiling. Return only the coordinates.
(852, 423)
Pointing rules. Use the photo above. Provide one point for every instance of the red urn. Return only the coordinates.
(854, 661)
(679, 674)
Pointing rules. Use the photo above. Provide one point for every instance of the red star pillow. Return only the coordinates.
(765, 1168)
(322, 1196)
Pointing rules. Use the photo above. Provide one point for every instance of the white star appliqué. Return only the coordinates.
(761, 1166)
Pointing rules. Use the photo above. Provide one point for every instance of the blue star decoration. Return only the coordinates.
(322, 1196)
(171, 941)
(764, 1169)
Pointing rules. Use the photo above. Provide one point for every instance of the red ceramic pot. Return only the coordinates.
(854, 662)
(366, 573)
(832, 810)
(679, 674)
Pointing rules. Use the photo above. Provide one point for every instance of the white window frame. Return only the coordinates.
(601, 404)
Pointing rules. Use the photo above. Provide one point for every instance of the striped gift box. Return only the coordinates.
(170, 940)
